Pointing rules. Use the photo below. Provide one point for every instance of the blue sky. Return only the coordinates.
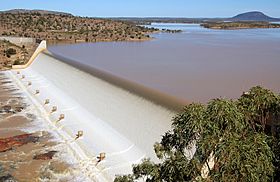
(149, 8)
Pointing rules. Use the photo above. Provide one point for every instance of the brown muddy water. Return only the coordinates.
(196, 65)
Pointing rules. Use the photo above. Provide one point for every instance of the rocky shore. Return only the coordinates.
(29, 151)
(12, 54)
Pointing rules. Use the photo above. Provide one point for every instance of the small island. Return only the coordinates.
(171, 31)
(239, 25)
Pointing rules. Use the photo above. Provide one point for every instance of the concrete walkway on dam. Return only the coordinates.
(110, 119)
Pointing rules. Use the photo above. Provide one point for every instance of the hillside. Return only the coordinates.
(42, 12)
(253, 16)
(56, 27)
(12, 54)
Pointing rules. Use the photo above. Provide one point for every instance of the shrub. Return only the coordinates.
(11, 51)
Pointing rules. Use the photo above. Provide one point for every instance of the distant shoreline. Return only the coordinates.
(239, 25)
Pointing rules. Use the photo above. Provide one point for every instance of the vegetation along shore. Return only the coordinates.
(60, 27)
(239, 25)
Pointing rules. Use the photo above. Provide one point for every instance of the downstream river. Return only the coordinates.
(195, 65)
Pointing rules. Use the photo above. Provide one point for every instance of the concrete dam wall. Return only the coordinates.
(113, 120)
(19, 40)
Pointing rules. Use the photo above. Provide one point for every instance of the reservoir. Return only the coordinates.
(196, 65)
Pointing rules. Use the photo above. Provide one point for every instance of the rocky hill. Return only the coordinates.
(249, 16)
(56, 27)
(253, 16)
(42, 12)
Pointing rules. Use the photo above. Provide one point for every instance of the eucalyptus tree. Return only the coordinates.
(262, 109)
(223, 141)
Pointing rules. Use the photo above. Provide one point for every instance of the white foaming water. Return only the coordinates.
(113, 120)
(39, 125)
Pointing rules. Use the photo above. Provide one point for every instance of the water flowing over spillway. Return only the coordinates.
(113, 120)
(196, 65)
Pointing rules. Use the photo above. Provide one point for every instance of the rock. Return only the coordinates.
(4, 176)
(16, 141)
(46, 156)
(4, 147)
(1, 169)
(18, 109)
(7, 108)
(7, 178)
(30, 116)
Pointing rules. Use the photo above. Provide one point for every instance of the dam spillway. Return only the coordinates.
(114, 120)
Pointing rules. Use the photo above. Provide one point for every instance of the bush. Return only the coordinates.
(18, 62)
(10, 51)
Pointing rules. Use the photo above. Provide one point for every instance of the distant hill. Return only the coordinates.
(253, 16)
(249, 16)
(43, 12)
